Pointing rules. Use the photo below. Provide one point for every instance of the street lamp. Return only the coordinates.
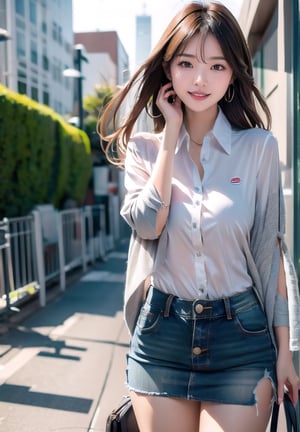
(76, 73)
(4, 36)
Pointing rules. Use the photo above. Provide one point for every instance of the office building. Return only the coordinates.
(143, 38)
(272, 31)
(39, 49)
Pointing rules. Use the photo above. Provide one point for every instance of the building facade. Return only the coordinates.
(40, 47)
(272, 31)
(143, 38)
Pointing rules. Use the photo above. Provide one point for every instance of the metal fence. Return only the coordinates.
(38, 250)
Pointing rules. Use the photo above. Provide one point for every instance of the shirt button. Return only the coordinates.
(199, 308)
(197, 351)
(194, 225)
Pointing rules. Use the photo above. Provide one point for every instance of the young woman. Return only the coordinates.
(206, 297)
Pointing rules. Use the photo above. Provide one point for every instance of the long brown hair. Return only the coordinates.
(194, 18)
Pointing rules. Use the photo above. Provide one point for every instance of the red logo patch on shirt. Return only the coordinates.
(235, 180)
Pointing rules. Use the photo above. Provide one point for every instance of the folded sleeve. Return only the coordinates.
(142, 201)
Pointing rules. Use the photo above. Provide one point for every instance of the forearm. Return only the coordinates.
(282, 340)
(163, 172)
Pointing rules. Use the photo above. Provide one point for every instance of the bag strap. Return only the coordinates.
(274, 419)
(290, 415)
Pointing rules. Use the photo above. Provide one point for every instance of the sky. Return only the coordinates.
(119, 15)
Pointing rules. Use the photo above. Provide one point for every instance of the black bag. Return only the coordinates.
(290, 415)
(122, 418)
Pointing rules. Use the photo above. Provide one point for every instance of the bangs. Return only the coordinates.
(197, 23)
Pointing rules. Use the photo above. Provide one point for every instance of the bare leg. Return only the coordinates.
(236, 418)
(163, 414)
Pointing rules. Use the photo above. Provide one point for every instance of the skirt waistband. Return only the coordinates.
(201, 309)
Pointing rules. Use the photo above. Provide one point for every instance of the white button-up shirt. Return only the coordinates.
(210, 220)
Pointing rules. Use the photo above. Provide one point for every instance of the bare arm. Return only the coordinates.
(163, 170)
(286, 373)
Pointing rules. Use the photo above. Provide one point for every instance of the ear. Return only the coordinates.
(166, 67)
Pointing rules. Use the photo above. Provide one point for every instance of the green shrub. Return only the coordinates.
(43, 159)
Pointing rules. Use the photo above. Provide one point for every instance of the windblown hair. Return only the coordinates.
(194, 19)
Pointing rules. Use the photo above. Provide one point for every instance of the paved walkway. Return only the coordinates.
(62, 369)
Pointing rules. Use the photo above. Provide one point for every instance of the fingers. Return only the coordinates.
(169, 104)
(167, 93)
(291, 389)
(280, 393)
(295, 392)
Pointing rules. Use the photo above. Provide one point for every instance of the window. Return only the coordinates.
(44, 19)
(22, 88)
(21, 47)
(34, 94)
(46, 99)
(32, 12)
(21, 75)
(20, 7)
(59, 35)
(45, 59)
(45, 62)
(54, 31)
(33, 52)
(57, 70)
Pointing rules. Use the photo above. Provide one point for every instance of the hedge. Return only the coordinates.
(43, 159)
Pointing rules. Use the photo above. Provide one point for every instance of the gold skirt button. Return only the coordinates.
(199, 308)
(197, 351)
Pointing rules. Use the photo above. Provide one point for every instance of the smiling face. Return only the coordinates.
(200, 74)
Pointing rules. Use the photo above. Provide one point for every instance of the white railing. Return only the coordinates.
(39, 250)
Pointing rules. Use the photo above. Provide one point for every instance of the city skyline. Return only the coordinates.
(103, 15)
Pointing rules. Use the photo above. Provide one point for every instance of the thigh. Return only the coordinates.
(164, 414)
(216, 417)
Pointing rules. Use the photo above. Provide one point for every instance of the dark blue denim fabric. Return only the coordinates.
(212, 350)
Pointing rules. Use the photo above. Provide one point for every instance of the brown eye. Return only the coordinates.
(218, 67)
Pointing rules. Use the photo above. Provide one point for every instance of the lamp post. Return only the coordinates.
(4, 36)
(77, 73)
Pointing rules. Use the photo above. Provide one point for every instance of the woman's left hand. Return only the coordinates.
(287, 377)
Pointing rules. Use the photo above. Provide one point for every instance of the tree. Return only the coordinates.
(93, 106)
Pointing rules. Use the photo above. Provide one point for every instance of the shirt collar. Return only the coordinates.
(222, 132)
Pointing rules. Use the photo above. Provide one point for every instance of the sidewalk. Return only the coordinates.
(62, 369)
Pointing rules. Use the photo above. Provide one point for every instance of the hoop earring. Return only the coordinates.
(152, 116)
(230, 93)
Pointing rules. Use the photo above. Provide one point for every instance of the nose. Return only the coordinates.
(200, 77)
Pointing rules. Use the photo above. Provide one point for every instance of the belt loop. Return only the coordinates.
(227, 308)
(168, 306)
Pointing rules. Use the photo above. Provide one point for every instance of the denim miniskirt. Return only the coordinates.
(211, 350)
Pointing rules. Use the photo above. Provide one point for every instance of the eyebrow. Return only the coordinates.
(193, 56)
